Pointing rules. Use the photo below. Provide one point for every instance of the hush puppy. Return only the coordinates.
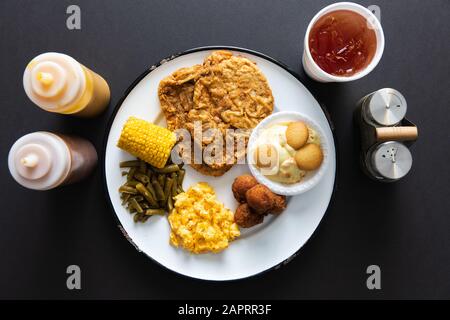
(241, 185)
(264, 201)
(246, 218)
(279, 204)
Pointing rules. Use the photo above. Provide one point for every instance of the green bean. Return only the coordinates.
(126, 189)
(126, 197)
(162, 180)
(142, 167)
(136, 205)
(168, 188)
(174, 185)
(138, 198)
(137, 217)
(181, 175)
(152, 191)
(130, 208)
(168, 169)
(150, 212)
(131, 183)
(146, 193)
(131, 174)
(129, 164)
(141, 177)
(158, 190)
(169, 204)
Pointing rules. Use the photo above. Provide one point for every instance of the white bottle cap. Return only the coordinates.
(39, 160)
(54, 81)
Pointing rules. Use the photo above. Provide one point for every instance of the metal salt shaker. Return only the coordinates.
(388, 161)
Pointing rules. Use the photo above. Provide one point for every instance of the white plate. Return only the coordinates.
(260, 248)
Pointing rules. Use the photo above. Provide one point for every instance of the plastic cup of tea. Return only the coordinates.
(313, 70)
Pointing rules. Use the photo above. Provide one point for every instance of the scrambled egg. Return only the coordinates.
(200, 223)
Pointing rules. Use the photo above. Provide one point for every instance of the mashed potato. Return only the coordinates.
(200, 223)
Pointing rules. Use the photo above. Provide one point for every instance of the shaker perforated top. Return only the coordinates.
(386, 107)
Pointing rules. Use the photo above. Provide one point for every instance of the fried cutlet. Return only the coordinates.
(226, 92)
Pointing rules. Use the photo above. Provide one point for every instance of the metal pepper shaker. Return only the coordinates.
(385, 107)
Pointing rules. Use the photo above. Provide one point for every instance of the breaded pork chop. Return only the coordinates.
(235, 89)
(226, 92)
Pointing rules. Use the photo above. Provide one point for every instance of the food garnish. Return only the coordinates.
(199, 223)
(147, 141)
(149, 190)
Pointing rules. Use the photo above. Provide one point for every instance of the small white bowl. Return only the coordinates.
(312, 177)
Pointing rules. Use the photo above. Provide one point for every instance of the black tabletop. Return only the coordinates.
(403, 227)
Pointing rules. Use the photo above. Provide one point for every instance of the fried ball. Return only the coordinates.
(279, 204)
(240, 186)
(260, 199)
(246, 218)
(263, 201)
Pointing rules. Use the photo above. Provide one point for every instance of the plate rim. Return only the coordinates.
(133, 85)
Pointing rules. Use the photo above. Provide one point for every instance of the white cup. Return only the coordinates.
(311, 67)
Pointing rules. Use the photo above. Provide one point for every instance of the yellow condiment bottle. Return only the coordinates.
(58, 83)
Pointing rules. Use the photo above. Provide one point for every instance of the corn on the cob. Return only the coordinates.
(147, 141)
